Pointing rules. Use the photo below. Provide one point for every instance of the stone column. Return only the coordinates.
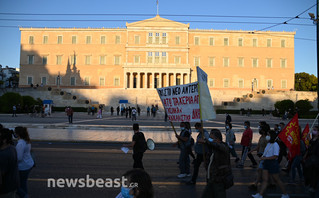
(131, 80)
(159, 80)
(182, 78)
(174, 80)
(153, 77)
(125, 80)
(145, 80)
(167, 79)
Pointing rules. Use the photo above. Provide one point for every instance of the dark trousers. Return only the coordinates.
(197, 162)
(246, 149)
(137, 157)
(23, 190)
(214, 190)
(14, 114)
(70, 117)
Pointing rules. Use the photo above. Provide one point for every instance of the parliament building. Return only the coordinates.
(155, 53)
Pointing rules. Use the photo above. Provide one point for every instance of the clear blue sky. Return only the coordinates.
(305, 50)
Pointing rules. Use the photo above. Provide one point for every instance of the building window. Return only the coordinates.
(211, 41)
(45, 60)
(150, 38)
(212, 61)
(73, 39)
(157, 57)
(163, 38)
(226, 61)
(283, 63)
(211, 82)
(240, 83)
(116, 60)
(255, 62)
(177, 40)
(31, 59)
(44, 80)
(102, 81)
(269, 62)
(269, 84)
(137, 39)
(157, 38)
(86, 80)
(117, 39)
(136, 59)
(117, 81)
(103, 39)
(177, 59)
(284, 84)
(102, 60)
(73, 59)
(196, 61)
(226, 42)
(30, 80)
(255, 42)
(45, 39)
(268, 42)
(150, 57)
(59, 60)
(196, 40)
(283, 43)
(72, 81)
(60, 39)
(226, 83)
(164, 57)
(88, 40)
(240, 62)
(240, 42)
(88, 60)
(31, 40)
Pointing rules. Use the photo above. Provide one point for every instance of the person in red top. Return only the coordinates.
(246, 140)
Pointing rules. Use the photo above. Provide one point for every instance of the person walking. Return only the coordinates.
(112, 111)
(9, 174)
(25, 161)
(134, 114)
(199, 151)
(219, 166)
(183, 142)
(118, 110)
(148, 111)
(14, 111)
(139, 146)
(246, 141)
(69, 113)
(271, 166)
(230, 140)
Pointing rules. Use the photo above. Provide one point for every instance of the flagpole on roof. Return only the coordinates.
(157, 6)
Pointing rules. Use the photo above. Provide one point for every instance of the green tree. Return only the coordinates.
(284, 105)
(9, 99)
(305, 82)
(303, 106)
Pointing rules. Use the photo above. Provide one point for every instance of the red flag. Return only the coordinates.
(305, 135)
(290, 136)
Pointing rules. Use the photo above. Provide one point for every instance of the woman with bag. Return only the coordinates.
(25, 161)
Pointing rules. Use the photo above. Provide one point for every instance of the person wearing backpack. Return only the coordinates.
(139, 146)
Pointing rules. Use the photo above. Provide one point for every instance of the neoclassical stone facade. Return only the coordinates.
(153, 53)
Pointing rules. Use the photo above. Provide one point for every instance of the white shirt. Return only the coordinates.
(272, 149)
(25, 160)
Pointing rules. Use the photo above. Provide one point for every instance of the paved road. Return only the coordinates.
(105, 160)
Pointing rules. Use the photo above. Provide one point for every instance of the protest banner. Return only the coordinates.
(181, 102)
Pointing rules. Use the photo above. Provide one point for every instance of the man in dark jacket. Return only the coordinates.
(219, 165)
